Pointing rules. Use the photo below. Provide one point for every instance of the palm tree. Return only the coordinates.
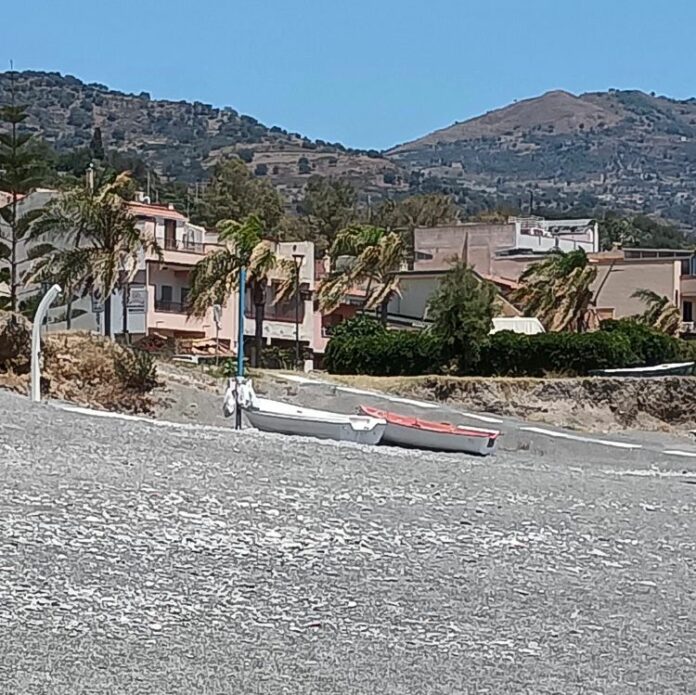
(660, 313)
(363, 255)
(558, 291)
(92, 243)
(216, 276)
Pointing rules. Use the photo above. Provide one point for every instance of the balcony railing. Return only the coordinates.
(184, 245)
(169, 307)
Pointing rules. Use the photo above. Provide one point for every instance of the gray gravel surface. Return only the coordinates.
(148, 559)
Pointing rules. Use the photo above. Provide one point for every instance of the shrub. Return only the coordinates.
(136, 370)
(462, 310)
(649, 346)
(512, 354)
(364, 346)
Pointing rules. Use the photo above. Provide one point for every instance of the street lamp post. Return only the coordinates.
(297, 258)
(41, 312)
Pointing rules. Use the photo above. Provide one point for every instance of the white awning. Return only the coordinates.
(518, 324)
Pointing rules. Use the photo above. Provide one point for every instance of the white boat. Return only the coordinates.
(284, 418)
(440, 436)
(670, 369)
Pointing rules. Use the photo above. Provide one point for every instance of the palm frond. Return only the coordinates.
(212, 279)
(287, 285)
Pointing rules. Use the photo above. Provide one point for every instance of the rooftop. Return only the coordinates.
(154, 210)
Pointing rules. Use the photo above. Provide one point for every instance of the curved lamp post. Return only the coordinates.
(36, 341)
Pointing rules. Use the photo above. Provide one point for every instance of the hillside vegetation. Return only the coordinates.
(618, 150)
(182, 140)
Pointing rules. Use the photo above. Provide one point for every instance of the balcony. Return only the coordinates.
(168, 307)
(687, 286)
(184, 245)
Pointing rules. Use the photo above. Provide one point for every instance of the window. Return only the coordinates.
(184, 295)
(688, 312)
(284, 310)
(170, 234)
(166, 293)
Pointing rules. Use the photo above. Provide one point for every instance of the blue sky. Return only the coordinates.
(369, 73)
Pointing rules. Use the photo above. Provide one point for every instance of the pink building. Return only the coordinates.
(159, 292)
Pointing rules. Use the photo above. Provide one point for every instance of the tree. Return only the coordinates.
(363, 256)
(20, 171)
(330, 205)
(91, 243)
(462, 311)
(660, 314)
(233, 193)
(216, 276)
(617, 231)
(96, 146)
(415, 211)
(639, 231)
(558, 291)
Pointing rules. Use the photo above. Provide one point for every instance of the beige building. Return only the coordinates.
(619, 276)
(501, 249)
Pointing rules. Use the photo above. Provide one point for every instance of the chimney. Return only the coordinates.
(170, 206)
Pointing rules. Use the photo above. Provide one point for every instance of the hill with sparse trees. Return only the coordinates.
(557, 154)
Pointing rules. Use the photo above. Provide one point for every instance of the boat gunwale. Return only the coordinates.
(429, 425)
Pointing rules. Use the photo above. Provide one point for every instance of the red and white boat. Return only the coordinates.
(412, 432)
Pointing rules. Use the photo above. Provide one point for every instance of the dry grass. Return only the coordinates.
(81, 368)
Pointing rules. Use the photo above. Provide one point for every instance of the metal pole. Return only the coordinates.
(240, 346)
(124, 317)
(36, 341)
(297, 315)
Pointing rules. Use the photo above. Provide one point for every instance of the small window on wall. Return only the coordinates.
(166, 292)
(688, 312)
(184, 295)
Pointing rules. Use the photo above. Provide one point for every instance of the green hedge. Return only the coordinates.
(364, 346)
(649, 346)
(512, 354)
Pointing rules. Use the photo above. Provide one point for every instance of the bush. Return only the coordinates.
(461, 310)
(512, 354)
(136, 370)
(364, 346)
(649, 346)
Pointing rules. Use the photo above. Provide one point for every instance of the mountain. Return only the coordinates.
(179, 139)
(618, 150)
(615, 150)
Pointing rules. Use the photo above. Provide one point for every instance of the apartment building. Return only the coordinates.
(502, 249)
(158, 295)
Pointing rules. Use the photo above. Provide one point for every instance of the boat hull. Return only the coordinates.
(438, 436)
(399, 435)
(676, 369)
(271, 416)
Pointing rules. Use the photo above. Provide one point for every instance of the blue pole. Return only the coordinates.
(240, 347)
(240, 313)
